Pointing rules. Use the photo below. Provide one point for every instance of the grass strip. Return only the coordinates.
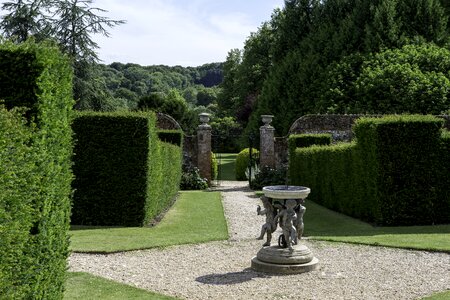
(81, 286)
(196, 217)
(324, 224)
(438, 296)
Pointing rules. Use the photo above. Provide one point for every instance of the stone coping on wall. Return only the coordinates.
(338, 123)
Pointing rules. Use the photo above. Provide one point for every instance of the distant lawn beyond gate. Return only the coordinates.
(227, 163)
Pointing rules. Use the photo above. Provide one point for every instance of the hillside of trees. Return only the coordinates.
(128, 83)
(182, 92)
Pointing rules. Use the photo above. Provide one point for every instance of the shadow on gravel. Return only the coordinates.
(230, 278)
(231, 189)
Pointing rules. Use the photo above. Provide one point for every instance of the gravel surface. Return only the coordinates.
(220, 270)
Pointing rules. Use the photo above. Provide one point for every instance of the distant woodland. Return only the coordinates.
(182, 92)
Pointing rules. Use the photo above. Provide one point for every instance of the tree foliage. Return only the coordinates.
(25, 18)
(71, 23)
(411, 79)
(321, 56)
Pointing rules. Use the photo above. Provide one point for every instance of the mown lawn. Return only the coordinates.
(82, 286)
(439, 296)
(324, 224)
(196, 217)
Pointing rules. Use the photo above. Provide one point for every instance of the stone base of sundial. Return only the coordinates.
(275, 259)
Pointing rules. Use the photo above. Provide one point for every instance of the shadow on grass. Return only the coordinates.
(193, 209)
(89, 227)
(324, 224)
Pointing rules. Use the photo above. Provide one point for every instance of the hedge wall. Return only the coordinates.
(395, 174)
(174, 137)
(35, 175)
(306, 140)
(124, 175)
(442, 207)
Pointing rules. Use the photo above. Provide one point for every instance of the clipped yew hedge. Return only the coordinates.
(306, 140)
(396, 173)
(124, 175)
(35, 170)
(171, 136)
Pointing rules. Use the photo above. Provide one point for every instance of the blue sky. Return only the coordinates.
(180, 32)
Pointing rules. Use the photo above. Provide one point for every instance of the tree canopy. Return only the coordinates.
(341, 56)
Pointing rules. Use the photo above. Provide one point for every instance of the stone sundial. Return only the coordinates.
(283, 207)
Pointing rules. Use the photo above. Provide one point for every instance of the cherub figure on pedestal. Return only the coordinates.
(299, 222)
(271, 225)
(288, 217)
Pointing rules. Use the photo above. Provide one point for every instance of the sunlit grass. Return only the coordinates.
(438, 296)
(82, 286)
(196, 217)
(324, 224)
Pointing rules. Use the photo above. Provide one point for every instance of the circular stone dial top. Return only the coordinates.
(286, 192)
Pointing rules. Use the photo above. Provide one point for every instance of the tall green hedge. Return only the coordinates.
(124, 175)
(442, 209)
(396, 173)
(35, 170)
(171, 136)
(307, 140)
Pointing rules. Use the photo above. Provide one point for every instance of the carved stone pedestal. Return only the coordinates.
(283, 207)
(275, 259)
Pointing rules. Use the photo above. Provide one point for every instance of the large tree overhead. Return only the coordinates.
(72, 24)
(75, 24)
(25, 18)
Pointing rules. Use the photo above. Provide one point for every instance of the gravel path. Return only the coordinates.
(220, 270)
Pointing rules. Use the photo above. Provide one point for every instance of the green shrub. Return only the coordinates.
(406, 149)
(35, 177)
(191, 180)
(269, 176)
(395, 174)
(225, 134)
(214, 166)
(243, 162)
(124, 175)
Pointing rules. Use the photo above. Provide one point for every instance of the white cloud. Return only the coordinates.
(175, 32)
